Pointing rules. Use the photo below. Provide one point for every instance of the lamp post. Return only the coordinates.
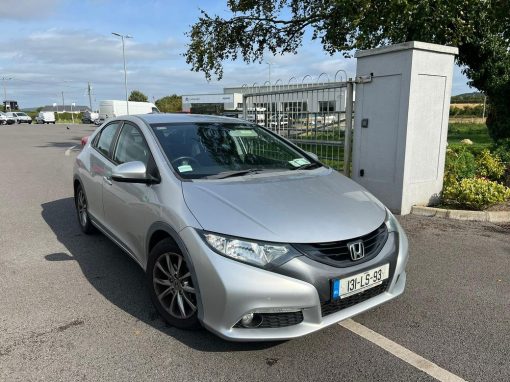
(72, 113)
(125, 71)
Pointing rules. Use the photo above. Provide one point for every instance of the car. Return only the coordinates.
(5, 119)
(45, 117)
(89, 117)
(281, 121)
(19, 117)
(236, 228)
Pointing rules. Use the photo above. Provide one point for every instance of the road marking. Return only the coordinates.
(68, 151)
(401, 352)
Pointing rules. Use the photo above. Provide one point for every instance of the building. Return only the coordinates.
(66, 108)
(291, 100)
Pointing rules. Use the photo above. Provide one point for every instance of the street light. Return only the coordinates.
(125, 72)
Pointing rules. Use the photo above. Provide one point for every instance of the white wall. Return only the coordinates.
(402, 151)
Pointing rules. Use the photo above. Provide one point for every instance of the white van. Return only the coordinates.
(45, 117)
(116, 108)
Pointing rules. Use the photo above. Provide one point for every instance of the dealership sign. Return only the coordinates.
(208, 98)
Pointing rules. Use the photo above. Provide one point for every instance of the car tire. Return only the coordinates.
(80, 201)
(29, 122)
(170, 284)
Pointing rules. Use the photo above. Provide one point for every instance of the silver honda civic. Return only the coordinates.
(237, 229)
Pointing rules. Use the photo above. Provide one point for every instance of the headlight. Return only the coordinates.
(391, 222)
(252, 252)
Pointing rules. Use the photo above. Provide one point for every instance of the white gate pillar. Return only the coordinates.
(401, 122)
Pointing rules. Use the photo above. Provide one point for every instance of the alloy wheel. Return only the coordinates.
(173, 286)
(82, 208)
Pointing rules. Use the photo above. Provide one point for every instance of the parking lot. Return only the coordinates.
(74, 307)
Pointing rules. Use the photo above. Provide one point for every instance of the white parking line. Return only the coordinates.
(68, 151)
(401, 352)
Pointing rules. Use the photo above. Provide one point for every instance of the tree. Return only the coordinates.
(170, 104)
(138, 96)
(480, 28)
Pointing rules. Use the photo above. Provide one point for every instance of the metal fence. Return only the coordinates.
(316, 117)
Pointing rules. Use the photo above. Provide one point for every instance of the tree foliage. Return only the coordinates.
(138, 96)
(480, 28)
(170, 104)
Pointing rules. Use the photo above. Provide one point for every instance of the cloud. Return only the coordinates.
(45, 63)
(81, 46)
(23, 9)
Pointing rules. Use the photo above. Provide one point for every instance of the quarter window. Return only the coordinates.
(131, 146)
(105, 140)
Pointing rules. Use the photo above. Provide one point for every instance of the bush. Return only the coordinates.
(460, 164)
(502, 149)
(475, 193)
(490, 166)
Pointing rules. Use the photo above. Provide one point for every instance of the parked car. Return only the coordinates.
(6, 120)
(281, 121)
(89, 117)
(45, 117)
(237, 228)
(19, 117)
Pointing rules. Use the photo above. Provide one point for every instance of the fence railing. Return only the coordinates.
(317, 118)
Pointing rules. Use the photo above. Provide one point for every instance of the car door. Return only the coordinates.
(127, 206)
(100, 168)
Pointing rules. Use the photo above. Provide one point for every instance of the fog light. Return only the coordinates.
(247, 320)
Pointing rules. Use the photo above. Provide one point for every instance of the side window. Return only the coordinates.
(103, 144)
(131, 146)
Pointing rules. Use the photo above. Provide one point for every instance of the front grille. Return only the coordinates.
(275, 320)
(336, 253)
(333, 306)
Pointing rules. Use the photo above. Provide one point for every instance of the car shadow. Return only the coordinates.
(120, 280)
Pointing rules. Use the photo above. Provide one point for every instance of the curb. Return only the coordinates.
(477, 216)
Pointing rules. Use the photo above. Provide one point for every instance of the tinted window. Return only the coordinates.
(131, 146)
(106, 138)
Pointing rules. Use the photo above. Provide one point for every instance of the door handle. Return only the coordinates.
(108, 180)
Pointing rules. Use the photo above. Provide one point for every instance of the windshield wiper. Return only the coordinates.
(230, 174)
(307, 166)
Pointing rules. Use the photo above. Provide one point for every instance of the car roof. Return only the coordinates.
(183, 118)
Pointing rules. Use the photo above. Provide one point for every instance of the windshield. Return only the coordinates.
(221, 150)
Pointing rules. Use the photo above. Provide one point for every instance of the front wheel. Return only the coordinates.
(171, 286)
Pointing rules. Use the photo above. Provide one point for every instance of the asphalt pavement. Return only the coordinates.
(74, 307)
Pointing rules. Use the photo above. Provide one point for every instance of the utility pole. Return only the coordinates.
(63, 104)
(5, 90)
(90, 98)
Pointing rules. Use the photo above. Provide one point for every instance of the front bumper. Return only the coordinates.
(228, 289)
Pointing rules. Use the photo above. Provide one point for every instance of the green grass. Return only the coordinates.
(476, 132)
(333, 155)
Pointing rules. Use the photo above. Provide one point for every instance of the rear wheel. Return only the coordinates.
(171, 286)
(82, 211)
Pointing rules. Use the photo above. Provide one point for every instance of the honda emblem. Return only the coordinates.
(356, 249)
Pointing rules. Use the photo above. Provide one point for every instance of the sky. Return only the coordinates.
(54, 46)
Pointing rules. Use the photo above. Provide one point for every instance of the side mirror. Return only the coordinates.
(132, 172)
(313, 155)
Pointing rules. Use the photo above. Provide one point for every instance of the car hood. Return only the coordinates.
(303, 207)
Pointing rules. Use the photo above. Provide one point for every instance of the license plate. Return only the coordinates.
(360, 282)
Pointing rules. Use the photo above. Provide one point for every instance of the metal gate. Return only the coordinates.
(317, 118)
